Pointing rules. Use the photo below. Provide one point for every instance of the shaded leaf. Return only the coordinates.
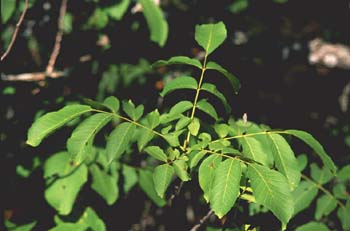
(118, 10)
(156, 152)
(321, 176)
(206, 174)
(211, 88)
(155, 21)
(180, 167)
(130, 177)
(133, 112)
(303, 196)
(324, 206)
(147, 185)
(313, 226)
(112, 103)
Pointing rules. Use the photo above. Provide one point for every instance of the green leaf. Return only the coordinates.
(181, 107)
(68, 227)
(147, 185)
(211, 88)
(180, 167)
(339, 191)
(162, 177)
(252, 148)
(63, 190)
(91, 220)
(118, 140)
(98, 20)
(324, 206)
(156, 152)
(155, 21)
(270, 189)
(84, 134)
(112, 103)
(133, 112)
(225, 186)
(206, 107)
(14, 227)
(194, 126)
(303, 196)
(302, 161)
(173, 138)
(206, 174)
(118, 10)
(7, 9)
(316, 146)
(313, 226)
(321, 176)
(182, 123)
(50, 122)
(343, 214)
(104, 184)
(196, 157)
(179, 60)
(130, 177)
(210, 36)
(236, 85)
(238, 6)
(285, 159)
(182, 82)
(145, 136)
(344, 173)
(221, 129)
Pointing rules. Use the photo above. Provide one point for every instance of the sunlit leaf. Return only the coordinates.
(179, 60)
(162, 176)
(210, 36)
(183, 82)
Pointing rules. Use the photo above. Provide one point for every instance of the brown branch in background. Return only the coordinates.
(328, 54)
(14, 35)
(58, 40)
(28, 77)
(201, 221)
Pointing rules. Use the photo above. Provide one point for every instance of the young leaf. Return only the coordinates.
(225, 186)
(162, 177)
(77, 144)
(211, 88)
(180, 167)
(194, 126)
(182, 82)
(155, 21)
(118, 140)
(147, 185)
(206, 107)
(316, 146)
(313, 226)
(303, 196)
(206, 174)
(270, 189)
(104, 184)
(285, 159)
(210, 36)
(133, 112)
(62, 192)
(236, 85)
(48, 123)
(324, 206)
(112, 103)
(321, 176)
(253, 149)
(179, 60)
(156, 152)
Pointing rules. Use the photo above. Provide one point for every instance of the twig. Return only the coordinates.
(28, 77)
(201, 221)
(14, 35)
(58, 40)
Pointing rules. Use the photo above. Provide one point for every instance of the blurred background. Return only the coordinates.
(288, 54)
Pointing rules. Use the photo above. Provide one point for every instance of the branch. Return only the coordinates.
(201, 221)
(14, 35)
(29, 77)
(58, 40)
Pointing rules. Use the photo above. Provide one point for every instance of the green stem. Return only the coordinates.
(199, 87)
(320, 187)
(131, 121)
